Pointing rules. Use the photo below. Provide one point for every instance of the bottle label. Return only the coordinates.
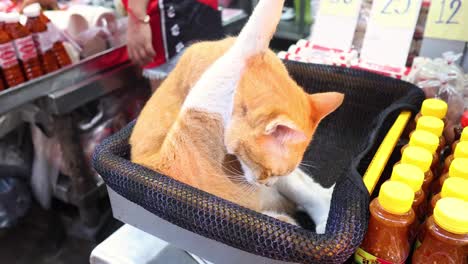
(54, 33)
(42, 41)
(25, 48)
(8, 55)
(362, 257)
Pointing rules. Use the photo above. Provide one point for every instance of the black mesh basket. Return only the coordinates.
(341, 151)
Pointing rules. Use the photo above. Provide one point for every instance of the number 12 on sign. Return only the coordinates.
(447, 19)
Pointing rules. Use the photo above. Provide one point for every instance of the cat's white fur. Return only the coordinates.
(214, 93)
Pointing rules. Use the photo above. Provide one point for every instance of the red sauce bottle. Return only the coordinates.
(24, 44)
(462, 135)
(387, 238)
(428, 141)
(446, 238)
(41, 38)
(421, 158)
(55, 37)
(458, 168)
(460, 151)
(454, 187)
(435, 126)
(8, 61)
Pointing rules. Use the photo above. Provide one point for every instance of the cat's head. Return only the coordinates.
(273, 119)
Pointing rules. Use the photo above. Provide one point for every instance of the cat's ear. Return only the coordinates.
(283, 131)
(325, 103)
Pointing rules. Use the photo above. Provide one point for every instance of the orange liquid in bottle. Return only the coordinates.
(25, 47)
(435, 126)
(421, 158)
(387, 237)
(9, 62)
(458, 168)
(460, 151)
(430, 142)
(60, 52)
(463, 137)
(453, 187)
(41, 38)
(446, 238)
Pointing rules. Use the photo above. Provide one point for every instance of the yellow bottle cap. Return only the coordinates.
(461, 150)
(396, 197)
(459, 168)
(452, 215)
(430, 124)
(417, 156)
(464, 135)
(455, 187)
(409, 174)
(425, 140)
(434, 107)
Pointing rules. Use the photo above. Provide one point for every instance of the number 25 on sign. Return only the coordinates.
(396, 13)
(448, 19)
(342, 8)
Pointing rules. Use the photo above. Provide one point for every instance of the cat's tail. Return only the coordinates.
(257, 33)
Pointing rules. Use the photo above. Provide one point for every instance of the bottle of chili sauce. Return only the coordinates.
(446, 238)
(24, 45)
(391, 216)
(9, 63)
(41, 38)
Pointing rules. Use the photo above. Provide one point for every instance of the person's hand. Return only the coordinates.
(139, 42)
(45, 4)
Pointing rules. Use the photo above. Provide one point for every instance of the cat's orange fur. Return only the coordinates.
(266, 93)
(232, 102)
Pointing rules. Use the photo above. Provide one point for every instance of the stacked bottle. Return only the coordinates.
(433, 125)
(458, 168)
(24, 46)
(421, 158)
(446, 238)
(391, 218)
(463, 137)
(460, 151)
(9, 63)
(53, 35)
(428, 141)
(41, 38)
(453, 187)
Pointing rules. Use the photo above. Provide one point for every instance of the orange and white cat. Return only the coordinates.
(232, 102)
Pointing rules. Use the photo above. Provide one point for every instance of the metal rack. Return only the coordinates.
(70, 87)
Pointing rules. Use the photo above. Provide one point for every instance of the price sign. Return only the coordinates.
(390, 31)
(448, 19)
(336, 23)
(396, 13)
(343, 8)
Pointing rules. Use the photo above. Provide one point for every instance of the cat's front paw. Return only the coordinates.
(281, 217)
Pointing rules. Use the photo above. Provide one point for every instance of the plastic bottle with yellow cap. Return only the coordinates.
(412, 176)
(463, 138)
(433, 125)
(458, 168)
(461, 151)
(387, 238)
(446, 239)
(453, 187)
(421, 158)
(433, 107)
(430, 107)
(427, 141)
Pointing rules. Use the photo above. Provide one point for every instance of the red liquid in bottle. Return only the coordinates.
(59, 50)
(41, 38)
(24, 44)
(9, 62)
